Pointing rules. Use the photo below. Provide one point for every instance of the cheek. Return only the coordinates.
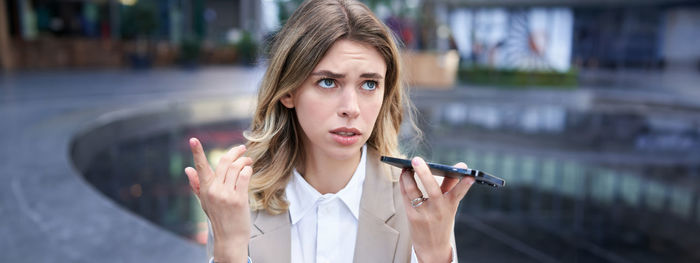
(371, 110)
(311, 113)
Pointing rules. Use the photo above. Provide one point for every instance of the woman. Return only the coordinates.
(311, 187)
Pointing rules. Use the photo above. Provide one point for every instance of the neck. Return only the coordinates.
(328, 175)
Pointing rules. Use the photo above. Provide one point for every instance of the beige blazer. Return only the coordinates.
(383, 230)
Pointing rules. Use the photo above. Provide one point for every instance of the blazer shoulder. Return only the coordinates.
(254, 230)
(386, 171)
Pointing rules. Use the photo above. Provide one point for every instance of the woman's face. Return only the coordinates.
(338, 103)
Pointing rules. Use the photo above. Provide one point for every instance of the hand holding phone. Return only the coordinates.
(449, 171)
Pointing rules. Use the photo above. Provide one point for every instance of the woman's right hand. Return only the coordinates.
(223, 195)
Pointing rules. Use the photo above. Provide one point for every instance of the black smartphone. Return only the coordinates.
(449, 171)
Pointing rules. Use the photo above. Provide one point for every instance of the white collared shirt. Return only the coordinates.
(324, 227)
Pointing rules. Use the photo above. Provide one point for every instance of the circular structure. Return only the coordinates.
(137, 160)
(50, 212)
(595, 176)
(584, 182)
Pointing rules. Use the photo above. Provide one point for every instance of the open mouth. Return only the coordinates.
(344, 133)
(346, 136)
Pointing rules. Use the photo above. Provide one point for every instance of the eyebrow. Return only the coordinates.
(330, 74)
(371, 76)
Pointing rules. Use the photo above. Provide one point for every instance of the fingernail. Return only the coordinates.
(415, 161)
(193, 142)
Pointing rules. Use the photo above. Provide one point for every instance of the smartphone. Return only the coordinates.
(449, 171)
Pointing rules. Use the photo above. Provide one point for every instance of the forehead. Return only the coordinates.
(347, 56)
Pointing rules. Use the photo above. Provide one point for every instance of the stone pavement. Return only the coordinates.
(49, 212)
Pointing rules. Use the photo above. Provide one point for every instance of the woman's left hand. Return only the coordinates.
(431, 222)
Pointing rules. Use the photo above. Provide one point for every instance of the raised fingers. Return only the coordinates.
(426, 177)
(200, 161)
(243, 180)
(227, 160)
(193, 178)
(234, 170)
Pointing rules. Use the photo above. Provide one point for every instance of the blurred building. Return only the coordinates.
(47, 34)
(554, 34)
(511, 34)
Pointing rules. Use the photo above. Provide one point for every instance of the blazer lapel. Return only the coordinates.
(270, 238)
(375, 239)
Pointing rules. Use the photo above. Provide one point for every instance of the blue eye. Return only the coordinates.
(369, 85)
(326, 83)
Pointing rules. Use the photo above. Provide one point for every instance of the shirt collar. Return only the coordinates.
(303, 197)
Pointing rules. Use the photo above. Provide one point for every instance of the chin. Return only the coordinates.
(342, 152)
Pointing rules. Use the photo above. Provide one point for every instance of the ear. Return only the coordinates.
(288, 100)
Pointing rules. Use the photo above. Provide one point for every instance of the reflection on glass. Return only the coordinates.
(579, 186)
(146, 175)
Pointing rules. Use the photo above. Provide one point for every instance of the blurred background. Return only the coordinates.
(589, 109)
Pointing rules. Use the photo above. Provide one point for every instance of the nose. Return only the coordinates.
(349, 104)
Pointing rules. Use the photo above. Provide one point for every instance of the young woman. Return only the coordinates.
(308, 186)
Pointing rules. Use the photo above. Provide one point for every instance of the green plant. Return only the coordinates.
(517, 78)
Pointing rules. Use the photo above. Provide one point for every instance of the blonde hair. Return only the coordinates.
(274, 140)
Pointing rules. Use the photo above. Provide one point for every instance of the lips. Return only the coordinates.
(346, 136)
(346, 131)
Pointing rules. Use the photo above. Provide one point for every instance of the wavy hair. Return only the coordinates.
(274, 139)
